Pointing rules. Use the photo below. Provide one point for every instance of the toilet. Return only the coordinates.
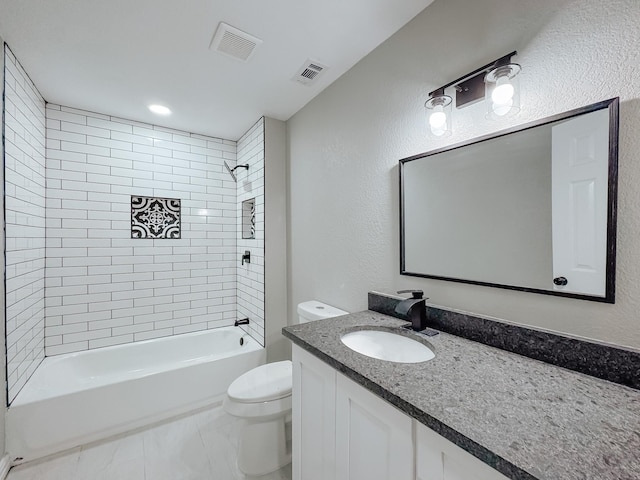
(262, 398)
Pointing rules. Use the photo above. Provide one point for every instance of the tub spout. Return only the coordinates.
(242, 321)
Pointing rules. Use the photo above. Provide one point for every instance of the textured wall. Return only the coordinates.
(24, 160)
(344, 147)
(250, 276)
(105, 288)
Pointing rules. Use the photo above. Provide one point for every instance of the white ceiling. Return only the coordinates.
(117, 56)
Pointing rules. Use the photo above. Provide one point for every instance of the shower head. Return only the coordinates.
(232, 170)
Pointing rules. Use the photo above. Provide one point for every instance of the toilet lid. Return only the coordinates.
(266, 382)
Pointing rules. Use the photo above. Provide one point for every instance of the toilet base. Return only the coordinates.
(264, 446)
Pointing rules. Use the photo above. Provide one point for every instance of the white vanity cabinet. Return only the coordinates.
(373, 438)
(313, 417)
(341, 431)
(439, 459)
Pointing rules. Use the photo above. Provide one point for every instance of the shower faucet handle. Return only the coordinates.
(246, 257)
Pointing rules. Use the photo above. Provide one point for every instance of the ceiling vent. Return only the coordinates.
(309, 72)
(234, 43)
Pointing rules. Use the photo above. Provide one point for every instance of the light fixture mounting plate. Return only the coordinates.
(470, 91)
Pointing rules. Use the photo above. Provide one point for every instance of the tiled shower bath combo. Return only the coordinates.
(119, 233)
(117, 274)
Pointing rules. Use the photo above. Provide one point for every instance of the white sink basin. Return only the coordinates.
(387, 346)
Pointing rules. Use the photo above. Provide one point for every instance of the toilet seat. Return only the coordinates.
(262, 384)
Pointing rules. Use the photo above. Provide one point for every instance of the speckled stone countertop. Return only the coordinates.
(525, 418)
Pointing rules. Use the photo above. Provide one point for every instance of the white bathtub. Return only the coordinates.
(81, 397)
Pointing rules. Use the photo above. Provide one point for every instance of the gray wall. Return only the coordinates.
(345, 144)
(278, 348)
(3, 357)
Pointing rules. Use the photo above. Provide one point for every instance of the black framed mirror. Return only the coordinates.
(531, 208)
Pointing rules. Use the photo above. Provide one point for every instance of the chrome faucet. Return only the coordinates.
(413, 309)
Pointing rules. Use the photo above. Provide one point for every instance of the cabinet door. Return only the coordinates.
(439, 459)
(313, 414)
(373, 438)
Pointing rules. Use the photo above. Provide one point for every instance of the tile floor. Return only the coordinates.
(201, 446)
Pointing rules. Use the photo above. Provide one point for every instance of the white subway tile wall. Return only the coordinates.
(105, 288)
(25, 224)
(251, 275)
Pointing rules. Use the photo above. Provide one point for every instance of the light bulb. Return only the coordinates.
(503, 93)
(437, 120)
(503, 96)
(439, 114)
(503, 109)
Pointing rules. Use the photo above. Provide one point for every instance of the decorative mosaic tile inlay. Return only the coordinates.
(155, 217)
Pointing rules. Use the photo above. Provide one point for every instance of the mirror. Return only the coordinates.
(532, 208)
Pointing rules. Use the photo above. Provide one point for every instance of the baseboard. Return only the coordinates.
(5, 465)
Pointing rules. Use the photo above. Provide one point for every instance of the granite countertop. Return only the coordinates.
(526, 418)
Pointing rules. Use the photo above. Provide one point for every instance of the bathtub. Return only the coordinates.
(81, 397)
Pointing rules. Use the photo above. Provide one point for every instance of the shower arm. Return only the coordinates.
(232, 170)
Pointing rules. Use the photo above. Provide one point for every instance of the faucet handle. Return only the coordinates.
(414, 293)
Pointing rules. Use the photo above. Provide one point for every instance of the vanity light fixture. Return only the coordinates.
(496, 82)
(160, 109)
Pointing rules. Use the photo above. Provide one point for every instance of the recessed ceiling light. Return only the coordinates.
(160, 109)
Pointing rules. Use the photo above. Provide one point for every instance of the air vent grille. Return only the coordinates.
(233, 42)
(309, 72)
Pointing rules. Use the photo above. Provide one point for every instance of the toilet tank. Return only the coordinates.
(314, 310)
